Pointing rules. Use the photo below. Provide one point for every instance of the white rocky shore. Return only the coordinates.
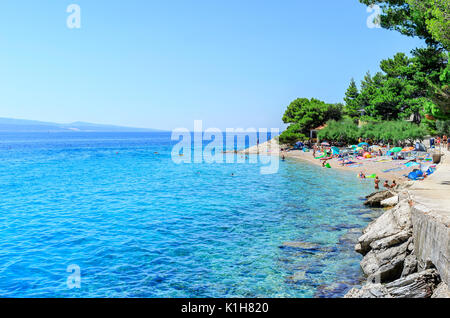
(392, 246)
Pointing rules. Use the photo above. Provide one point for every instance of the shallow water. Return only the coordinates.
(139, 225)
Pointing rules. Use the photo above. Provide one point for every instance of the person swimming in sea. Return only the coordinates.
(362, 175)
(386, 184)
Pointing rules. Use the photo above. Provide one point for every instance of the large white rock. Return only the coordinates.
(390, 202)
(386, 264)
(390, 223)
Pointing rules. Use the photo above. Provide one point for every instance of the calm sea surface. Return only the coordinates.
(138, 225)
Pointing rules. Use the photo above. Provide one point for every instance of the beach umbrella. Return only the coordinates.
(358, 149)
(325, 143)
(408, 149)
(363, 144)
(335, 150)
(396, 149)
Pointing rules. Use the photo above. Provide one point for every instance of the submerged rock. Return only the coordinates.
(302, 245)
(298, 276)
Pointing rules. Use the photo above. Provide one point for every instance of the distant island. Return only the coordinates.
(22, 125)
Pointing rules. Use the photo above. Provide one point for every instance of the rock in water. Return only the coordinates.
(301, 245)
(374, 199)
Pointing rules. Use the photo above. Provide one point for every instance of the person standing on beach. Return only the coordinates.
(377, 181)
(445, 141)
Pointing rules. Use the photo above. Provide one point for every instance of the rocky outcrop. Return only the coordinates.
(418, 285)
(389, 248)
(393, 227)
(385, 264)
(375, 199)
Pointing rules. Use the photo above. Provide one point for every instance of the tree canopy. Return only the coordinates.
(415, 86)
(406, 87)
(436, 14)
(305, 114)
(409, 20)
(394, 132)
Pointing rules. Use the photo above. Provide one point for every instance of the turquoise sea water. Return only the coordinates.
(138, 225)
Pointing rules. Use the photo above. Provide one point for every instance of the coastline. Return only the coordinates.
(405, 250)
(384, 167)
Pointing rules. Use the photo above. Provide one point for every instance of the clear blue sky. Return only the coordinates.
(162, 64)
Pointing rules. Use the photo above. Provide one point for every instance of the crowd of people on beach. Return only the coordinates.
(356, 155)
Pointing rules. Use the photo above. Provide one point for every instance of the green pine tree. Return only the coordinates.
(351, 100)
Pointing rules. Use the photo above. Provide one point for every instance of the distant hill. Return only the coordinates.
(21, 125)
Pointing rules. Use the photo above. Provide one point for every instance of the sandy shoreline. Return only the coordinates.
(378, 165)
(367, 166)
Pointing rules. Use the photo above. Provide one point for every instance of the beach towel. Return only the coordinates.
(411, 164)
(355, 165)
(395, 169)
